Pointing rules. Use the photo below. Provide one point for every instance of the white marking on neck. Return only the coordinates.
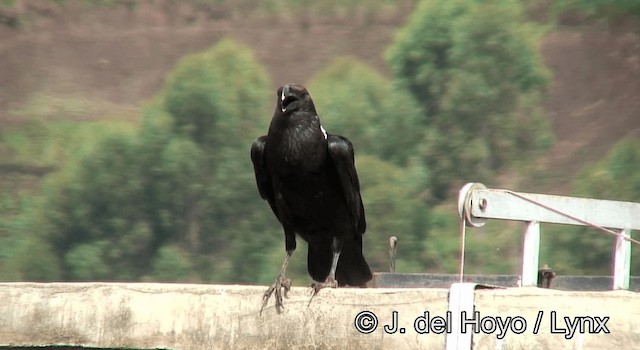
(324, 132)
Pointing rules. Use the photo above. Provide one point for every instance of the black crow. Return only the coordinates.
(309, 179)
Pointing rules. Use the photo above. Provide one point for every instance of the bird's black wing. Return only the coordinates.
(341, 153)
(263, 178)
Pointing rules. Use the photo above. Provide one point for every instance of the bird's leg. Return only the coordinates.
(329, 282)
(280, 283)
(336, 248)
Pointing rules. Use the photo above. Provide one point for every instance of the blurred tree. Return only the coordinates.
(475, 70)
(24, 254)
(86, 261)
(169, 203)
(600, 8)
(96, 223)
(218, 96)
(32, 260)
(379, 118)
(394, 207)
(616, 177)
(172, 264)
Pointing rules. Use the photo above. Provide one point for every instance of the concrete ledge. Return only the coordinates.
(435, 280)
(181, 316)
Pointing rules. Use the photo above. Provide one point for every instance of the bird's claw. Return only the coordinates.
(281, 283)
(316, 286)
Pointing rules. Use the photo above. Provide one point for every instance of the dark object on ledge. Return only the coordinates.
(545, 276)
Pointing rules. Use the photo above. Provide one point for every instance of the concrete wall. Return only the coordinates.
(180, 316)
(437, 280)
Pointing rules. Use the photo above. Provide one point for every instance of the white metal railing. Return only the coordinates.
(476, 204)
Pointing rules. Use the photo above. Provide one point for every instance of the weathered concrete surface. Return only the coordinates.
(436, 280)
(622, 308)
(180, 316)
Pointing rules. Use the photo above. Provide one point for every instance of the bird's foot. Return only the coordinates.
(316, 286)
(281, 283)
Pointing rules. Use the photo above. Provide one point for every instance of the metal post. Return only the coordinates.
(622, 261)
(530, 254)
(461, 298)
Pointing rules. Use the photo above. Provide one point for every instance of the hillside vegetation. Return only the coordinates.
(125, 128)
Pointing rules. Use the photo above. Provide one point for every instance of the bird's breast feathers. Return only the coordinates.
(302, 143)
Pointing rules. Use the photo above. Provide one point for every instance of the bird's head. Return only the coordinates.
(292, 97)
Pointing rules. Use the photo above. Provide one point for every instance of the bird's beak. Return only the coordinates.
(283, 95)
(286, 92)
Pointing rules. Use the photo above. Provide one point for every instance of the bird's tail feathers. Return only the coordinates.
(353, 269)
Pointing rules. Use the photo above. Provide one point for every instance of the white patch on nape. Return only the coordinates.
(284, 109)
(324, 132)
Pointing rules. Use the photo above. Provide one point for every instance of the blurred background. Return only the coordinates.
(125, 128)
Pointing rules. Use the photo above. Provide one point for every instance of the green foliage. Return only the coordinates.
(59, 143)
(325, 8)
(202, 191)
(378, 117)
(87, 262)
(167, 203)
(475, 70)
(174, 199)
(24, 254)
(393, 206)
(494, 248)
(616, 177)
(7, 3)
(600, 8)
(36, 261)
(206, 89)
(579, 251)
(100, 4)
(96, 224)
(172, 264)
(39, 154)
